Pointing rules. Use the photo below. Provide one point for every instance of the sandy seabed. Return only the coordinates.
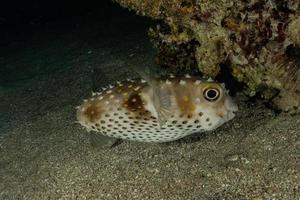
(45, 154)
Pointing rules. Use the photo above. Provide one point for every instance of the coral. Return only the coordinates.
(145, 8)
(257, 39)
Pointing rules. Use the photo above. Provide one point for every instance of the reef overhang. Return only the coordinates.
(259, 40)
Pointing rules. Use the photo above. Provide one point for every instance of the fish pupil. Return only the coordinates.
(211, 94)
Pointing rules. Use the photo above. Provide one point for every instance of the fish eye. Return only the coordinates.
(211, 94)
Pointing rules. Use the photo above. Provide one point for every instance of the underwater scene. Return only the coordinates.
(150, 99)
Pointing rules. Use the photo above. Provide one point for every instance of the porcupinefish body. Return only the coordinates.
(167, 110)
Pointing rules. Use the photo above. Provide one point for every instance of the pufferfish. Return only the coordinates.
(162, 110)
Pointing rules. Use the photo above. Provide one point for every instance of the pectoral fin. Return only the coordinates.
(162, 104)
(161, 95)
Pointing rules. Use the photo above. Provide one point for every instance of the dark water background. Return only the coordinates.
(53, 54)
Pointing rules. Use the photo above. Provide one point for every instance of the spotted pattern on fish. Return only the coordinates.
(127, 110)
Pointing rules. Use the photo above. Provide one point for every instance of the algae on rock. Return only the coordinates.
(254, 38)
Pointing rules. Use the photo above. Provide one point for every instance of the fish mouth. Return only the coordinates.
(231, 105)
(232, 108)
(231, 114)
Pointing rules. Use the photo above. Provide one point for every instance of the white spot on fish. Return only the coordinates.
(182, 82)
(137, 88)
(210, 79)
(130, 80)
(168, 82)
(197, 82)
